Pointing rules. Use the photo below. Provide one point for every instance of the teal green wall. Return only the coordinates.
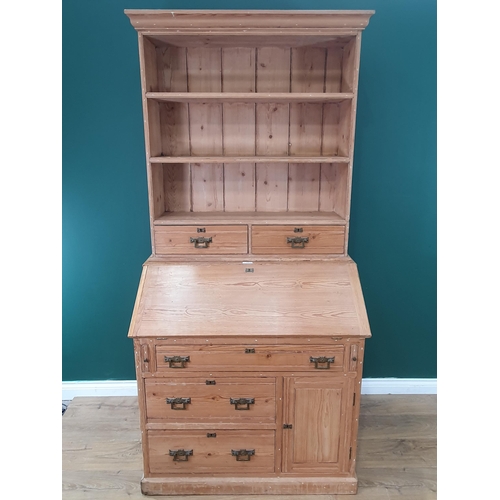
(105, 213)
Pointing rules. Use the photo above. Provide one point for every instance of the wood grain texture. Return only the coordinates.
(303, 187)
(207, 187)
(101, 452)
(172, 69)
(239, 187)
(271, 187)
(276, 298)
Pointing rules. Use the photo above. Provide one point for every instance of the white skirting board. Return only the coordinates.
(72, 390)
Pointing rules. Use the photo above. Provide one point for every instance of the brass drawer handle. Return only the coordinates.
(180, 455)
(242, 455)
(200, 242)
(175, 403)
(322, 360)
(176, 361)
(242, 403)
(298, 241)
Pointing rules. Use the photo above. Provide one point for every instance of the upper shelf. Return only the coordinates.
(250, 97)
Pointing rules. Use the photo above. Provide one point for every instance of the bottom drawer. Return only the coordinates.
(211, 451)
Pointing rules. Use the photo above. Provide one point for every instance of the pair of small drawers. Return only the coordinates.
(233, 239)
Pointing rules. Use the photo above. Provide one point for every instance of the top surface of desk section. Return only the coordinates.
(321, 298)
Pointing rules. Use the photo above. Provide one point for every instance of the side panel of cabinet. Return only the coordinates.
(319, 413)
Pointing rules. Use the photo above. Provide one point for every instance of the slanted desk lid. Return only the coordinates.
(259, 299)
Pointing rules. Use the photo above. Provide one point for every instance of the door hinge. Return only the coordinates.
(287, 426)
(350, 453)
(354, 399)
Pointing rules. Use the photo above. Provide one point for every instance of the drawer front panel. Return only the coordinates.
(185, 359)
(201, 240)
(211, 399)
(211, 452)
(297, 240)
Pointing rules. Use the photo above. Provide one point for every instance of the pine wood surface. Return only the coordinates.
(274, 299)
(102, 458)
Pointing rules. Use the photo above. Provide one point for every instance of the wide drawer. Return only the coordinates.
(295, 240)
(201, 240)
(211, 399)
(248, 358)
(214, 451)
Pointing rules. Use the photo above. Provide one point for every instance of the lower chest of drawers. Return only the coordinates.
(239, 410)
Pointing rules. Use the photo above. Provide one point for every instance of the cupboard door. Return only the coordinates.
(316, 435)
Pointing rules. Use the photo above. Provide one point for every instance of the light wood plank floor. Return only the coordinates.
(396, 451)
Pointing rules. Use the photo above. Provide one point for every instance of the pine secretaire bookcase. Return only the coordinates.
(249, 324)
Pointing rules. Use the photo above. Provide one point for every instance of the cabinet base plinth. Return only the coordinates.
(183, 485)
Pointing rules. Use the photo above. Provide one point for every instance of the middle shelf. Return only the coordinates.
(249, 97)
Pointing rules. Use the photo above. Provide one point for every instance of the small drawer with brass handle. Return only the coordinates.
(176, 361)
(200, 242)
(295, 240)
(298, 241)
(322, 362)
(213, 240)
(242, 403)
(178, 403)
(242, 455)
(180, 455)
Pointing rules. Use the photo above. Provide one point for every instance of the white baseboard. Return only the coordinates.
(72, 390)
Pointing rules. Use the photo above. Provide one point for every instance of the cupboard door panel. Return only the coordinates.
(318, 412)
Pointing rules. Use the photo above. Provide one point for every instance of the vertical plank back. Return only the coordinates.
(207, 187)
(308, 69)
(238, 75)
(303, 187)
(239, 187)
(172, 69)
(272, 187)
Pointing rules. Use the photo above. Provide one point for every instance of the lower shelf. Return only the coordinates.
(185, 485)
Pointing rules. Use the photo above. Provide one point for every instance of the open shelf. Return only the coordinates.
(280, 189)
(248, 97)
(206, 218)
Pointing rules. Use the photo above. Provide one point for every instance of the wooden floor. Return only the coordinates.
(396, 451)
